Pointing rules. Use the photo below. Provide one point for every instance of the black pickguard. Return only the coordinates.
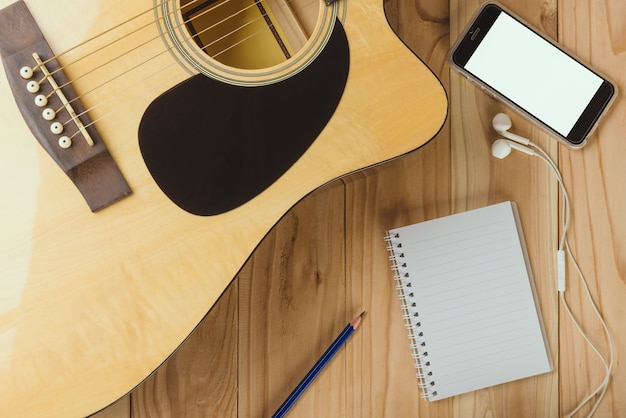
(212, 146)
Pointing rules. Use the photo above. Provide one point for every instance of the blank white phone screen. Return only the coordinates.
(533, 74)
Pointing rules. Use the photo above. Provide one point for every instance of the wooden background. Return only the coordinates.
(326, 260)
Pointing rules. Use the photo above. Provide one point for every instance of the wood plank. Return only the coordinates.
(479, 179)
(200, 379)
(595, 31)
(400, 194)
(383, 378)
(292, 306)
(415, 187)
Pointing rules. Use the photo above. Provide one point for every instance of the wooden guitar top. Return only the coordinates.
(92, 303)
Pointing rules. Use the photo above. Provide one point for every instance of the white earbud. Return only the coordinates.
(502, 148)
(502, 123)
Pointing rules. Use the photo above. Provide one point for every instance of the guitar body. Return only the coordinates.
(92, 303)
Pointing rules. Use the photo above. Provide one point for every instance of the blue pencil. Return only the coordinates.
(317, 368)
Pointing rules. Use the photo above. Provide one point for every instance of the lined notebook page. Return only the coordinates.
(470, 300)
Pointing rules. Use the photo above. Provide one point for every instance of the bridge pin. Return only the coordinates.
(56, 128)
(49, 114)
(41, 100)
(65, 142)
(32, 86)
(26, 73)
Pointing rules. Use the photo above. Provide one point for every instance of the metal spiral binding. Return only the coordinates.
(410, 315)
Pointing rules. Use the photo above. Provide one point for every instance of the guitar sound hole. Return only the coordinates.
(250, 34)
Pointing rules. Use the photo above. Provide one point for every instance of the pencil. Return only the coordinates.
(317, 368)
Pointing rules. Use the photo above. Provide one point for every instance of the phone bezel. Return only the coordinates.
(475, 32)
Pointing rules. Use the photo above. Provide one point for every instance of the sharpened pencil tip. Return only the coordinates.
(356, 321)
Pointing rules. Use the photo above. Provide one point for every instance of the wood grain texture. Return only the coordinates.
(206, 357)
(293, 305)
(453, 172)
(478, 179)
(595, 178)
(119, 409)
(105, 298)
(411, 189)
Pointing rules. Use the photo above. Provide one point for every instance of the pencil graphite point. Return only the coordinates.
(356, 321)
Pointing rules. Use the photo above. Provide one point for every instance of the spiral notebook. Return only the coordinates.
(469, 301)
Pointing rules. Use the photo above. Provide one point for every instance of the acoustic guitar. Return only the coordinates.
(147, 147)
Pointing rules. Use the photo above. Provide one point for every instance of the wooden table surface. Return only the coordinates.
(326, 260)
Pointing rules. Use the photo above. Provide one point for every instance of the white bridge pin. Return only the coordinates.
(26, 73)
(41, 100)
(65, 142)
(32, 86)
(56, 128)
(49, 114)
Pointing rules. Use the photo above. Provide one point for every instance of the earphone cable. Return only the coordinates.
(600, 391)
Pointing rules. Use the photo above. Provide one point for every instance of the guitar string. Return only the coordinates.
(111, 96)
(115, 110)
(149, 24)
(156, 56)
(118, 108)
(264, 15)
(157, 38)
(292, 13)
(158, 72)
(111, 29)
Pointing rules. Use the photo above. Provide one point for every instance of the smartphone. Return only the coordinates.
(532, 74)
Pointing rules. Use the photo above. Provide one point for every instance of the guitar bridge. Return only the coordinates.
(51, 108)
